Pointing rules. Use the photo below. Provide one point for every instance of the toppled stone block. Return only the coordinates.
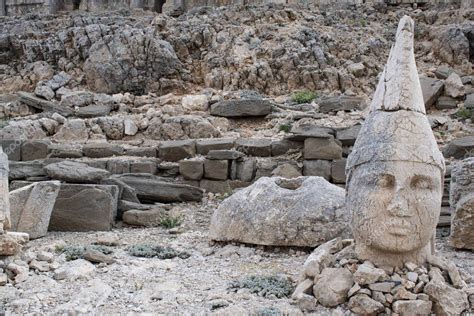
(177, 150)
(31, 207)
(151, 188)
(257, 147)
(75, 172)
(21, 170)
(203, 146)
(431, 89)
(322, 148)
(42, 104)
(147, 218)
(84, 207)
(241, 108)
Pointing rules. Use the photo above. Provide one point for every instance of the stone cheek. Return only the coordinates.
(395, 207)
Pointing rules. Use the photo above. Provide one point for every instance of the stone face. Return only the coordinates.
(191, 169)
(241, 108)
(154, 189)
(459, 148)
(34, 149)
(320, 168)
(305, 211)
(322, 148)
(395, 170)
(83, 207)
(177, 150)
(257, 147)
(416, 307)
(431, 89)
(453, 86)
(75, 172)
(216, 169)
(462, 205)
(31, 207)
(332, 286)
(203, 146)
(42, 104)
(340, 103)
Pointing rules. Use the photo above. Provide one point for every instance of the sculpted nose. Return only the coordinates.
(398, 206)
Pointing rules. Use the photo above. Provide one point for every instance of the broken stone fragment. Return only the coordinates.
(332, 286)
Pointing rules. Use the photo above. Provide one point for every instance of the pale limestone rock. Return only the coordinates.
(453, 86)
(416, 307)
(332, 286)
(73, 270)
(362, 304)
(395, 171)
(4, 200)
(199, 102)
(31, 207)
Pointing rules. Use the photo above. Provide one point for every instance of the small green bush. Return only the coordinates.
(151, 251)
(285, 128)
(265, 286)
(169, 221)
(304, 96)
(75, 252)
(269, 311)
(465, 113)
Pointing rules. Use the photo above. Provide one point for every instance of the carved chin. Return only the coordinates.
(396, 239)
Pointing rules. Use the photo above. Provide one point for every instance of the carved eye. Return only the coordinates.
(421, 182)
(386, 181)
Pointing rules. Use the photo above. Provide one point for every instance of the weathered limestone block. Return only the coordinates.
(203, 146)
(431, 89)
(5, 222)
(257, 147)
(460, 148)
(305, 211)
(177, 150)
(320, 168)
(395, 172)
(34, 149)
(12, 148)
(216, 169)
(191, 169)
(245, 169)
(23, 169)
(348, 136)
(31, 207)
(338, 171)
(332, 286)
(75, 172)
(462, 204)
(102, 150)
(340, 103)
(322, 148)
(84, 207)
(241, 108)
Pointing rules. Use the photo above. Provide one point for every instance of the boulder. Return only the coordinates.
(151, 188)
(332, 285)
(446, 102)
(459, 148)
(75, 172)
(305, 211)
(44, 92)
(241, 108)
(453, 86)
(199, 102)
(85, 207)
(416, 307)
(431, 89)
(59, 80)
(31, 207)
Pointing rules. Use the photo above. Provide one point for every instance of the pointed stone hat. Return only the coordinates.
(397, 128)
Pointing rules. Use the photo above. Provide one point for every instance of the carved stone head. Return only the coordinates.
(395, 171)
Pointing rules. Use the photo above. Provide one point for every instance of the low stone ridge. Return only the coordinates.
(241, 108)
(75, 172)
(462, 204)
(31, 207)
(151, 188)
(85, 207)
(260, 213)
(332, 276)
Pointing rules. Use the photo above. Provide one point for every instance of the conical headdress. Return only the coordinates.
(397, 128)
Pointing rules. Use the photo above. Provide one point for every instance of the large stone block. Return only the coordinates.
(31, 207)
(322, 148)
(431, 89)
(215, 186)
(257, 147)
(85, 207)
(300, 133)
(245, 169)
(347, 136)
(75, 172)
(203, 146)
(151, 188)
(321, 168)
(340, 103)
(338, 171)
(20, 170)
(241, 108)
(34, 149)
(281, 147)
(191, 169)
(216, 169)
(12, 147)
(177, 150)
(102, 150)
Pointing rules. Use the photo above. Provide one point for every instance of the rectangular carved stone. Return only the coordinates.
(84, 207)
(216, 169)
(322, 148)
(177, 149)
(203, 146)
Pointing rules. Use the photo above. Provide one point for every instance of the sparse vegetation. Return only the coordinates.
(269, 311)
(169, 221)
(304, 96)
(75, 252)
(285, 128)
(277, 285)
(153, 251)
(465, 113)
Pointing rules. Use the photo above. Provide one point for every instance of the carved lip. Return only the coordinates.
(399, 227)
